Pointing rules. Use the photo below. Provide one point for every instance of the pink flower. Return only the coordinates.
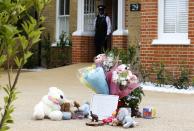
(99, 59)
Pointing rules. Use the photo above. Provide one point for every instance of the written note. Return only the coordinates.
(104, 105)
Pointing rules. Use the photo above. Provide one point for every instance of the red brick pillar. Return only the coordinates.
(82, 49)
(120, 41)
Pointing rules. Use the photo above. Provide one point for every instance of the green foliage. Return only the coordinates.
(133, 100)
(46, 50)
(129, 56)
(11, 95)
(162, 76)
(193, 82)
(182, 82)
(133, 55)
(15, 45)
(144, 74)
(65, 39)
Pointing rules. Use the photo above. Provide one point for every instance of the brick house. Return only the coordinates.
(163, 28)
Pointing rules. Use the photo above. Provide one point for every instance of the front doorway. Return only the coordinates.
(111, 11)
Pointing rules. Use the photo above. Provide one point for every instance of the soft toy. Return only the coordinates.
(67, 109)
(68, 106)
(85, 108)
(49, 106)
(115, 122)
(124, 117)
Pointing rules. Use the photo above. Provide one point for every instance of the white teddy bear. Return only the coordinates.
(49, 106)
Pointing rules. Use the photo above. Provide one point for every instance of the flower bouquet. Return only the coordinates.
(110, 76)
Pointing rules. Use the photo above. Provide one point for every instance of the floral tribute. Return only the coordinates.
(109, 76)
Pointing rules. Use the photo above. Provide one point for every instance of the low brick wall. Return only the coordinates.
(60, 56)
(83, 49)
(120, 42)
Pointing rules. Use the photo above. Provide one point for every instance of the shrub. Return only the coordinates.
(182, 82)
(162, 75)
(15, 44)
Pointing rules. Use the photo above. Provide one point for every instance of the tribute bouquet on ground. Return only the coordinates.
(109, 76)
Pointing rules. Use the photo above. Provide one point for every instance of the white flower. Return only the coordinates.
(122, 78)
(124, 83)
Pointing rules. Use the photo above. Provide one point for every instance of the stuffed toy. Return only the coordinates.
(49, 106)
(85, 108)
(67, 109)
(124, 117)
(68, 106)
(115, 122)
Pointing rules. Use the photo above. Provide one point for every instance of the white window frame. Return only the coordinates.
(168, 38)
(57, 19)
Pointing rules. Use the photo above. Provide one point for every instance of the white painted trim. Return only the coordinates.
(120, 32)
(168, 38)
(80, 18)
(121, 19)
(57, 21)
(171, 42)
(83, 33)
(121, 15)
(54, 44)
(160, 17)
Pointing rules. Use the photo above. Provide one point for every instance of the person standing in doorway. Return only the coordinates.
(102, 30)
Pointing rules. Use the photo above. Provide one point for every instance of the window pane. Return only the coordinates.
(182, 20)
(89, 14)
(169, 16)
(175, 16)
(67, 7)
(61, 7)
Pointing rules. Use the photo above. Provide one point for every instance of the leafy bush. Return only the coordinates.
(182, 82)
(65, 39)
(162, 75)
(46, 50)
(15, 44)
(144, 74)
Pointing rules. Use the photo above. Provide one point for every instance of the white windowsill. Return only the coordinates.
(54, 44)
(120, 32)
(171, 42)
(83, 33)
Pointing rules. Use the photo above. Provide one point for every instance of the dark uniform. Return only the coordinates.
(100, 34)
(102, 30)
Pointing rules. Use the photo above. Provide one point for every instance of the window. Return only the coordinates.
(89, 15)
(172, 22)
(62, 17)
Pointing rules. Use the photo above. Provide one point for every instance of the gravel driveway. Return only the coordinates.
(175, 112)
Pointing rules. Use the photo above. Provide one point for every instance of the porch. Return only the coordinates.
(83, 49)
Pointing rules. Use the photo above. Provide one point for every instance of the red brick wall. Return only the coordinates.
(171, 55)
(119, 42)
(82, 49)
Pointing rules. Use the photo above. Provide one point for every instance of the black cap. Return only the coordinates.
(101, 7)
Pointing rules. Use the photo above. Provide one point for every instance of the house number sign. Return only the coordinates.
(135, 7)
